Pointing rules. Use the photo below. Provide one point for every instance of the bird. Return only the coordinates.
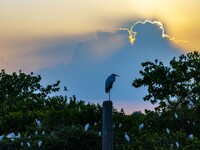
(177, 144)
(191, 136)
(99, 133)
(87, 127)
(127, 137)
(109, 82)
(120, 125)
(95, 124)
(65, 88)
(141, 126)
(38, 122)
(167, 130)
(11, 135)
(18, 135)
(193, 123)
(1, 137)
(167, 74)
(39, 143)
(176, 116)
(28, 144)
(30, 136)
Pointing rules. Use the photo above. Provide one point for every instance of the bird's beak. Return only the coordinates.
(117, 75)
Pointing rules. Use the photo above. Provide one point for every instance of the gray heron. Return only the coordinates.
(109, 82)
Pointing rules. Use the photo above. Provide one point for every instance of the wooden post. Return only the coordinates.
(107, 126)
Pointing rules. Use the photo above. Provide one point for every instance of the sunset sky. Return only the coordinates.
(82, 42)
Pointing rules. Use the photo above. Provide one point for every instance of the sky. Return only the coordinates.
(81, 43)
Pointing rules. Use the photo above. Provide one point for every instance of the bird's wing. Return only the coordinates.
(109, 83)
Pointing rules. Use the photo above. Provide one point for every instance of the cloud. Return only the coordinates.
(85, 75)
(133, 33)
(99, 48)
(35, 54)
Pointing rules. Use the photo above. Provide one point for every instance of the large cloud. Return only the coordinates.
(33, 54)
(85, 75)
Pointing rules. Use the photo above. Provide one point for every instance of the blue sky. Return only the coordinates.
(95, 59)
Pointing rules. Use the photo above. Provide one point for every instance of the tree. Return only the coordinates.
(23, 99)
(174, 86)
(21, 96)
(23, 86)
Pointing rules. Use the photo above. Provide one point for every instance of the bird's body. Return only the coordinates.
(87, 127)
(177, 144)
(39, 143)
(175, 115)
(11, 135)
(22, 144)
(38, 122)
(141, 126)
(99, 133)
(18, 135)
(120, 125)
(65, 88)
(167, 130)
(127, 137)
(1, 137)
(28, 144)
(109, 82)
(191, 136)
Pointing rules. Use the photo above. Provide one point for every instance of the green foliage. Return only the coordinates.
(23, 100)
(173, 86)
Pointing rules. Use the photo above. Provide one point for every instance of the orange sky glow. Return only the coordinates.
(35, 17)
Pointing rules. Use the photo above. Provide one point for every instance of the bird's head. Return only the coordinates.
(115, 75)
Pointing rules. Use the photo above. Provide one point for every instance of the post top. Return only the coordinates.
(107, 102)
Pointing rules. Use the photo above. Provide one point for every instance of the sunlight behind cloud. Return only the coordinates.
(180, 19)
(176, 42)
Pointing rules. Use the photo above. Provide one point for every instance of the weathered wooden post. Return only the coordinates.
(107, 126)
